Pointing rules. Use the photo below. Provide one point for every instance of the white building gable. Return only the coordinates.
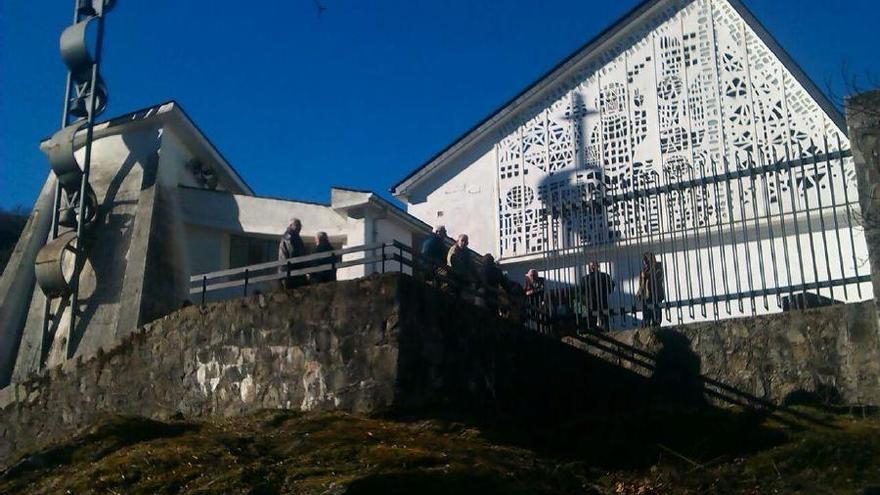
(674, 89)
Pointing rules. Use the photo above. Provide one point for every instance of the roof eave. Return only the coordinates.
(580, 57)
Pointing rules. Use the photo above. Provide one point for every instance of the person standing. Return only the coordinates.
(534, 291)
(651, 290)
(459, 261)
(433, 255)
(597, 287)
(433, 249)
(291, 246)
(458, 258)
(322, 245)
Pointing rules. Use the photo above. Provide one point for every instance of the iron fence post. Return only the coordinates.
(204, 288)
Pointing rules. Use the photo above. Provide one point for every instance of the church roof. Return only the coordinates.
(574, 62)
(171, 113)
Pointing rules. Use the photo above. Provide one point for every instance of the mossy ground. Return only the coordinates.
(279, 452)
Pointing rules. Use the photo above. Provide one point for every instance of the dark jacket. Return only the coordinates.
(328, 275)
(597, 286)
(535, 291)
(434, 250)
(459, 260)
(651, 287)
(490, 275)
(291, 246)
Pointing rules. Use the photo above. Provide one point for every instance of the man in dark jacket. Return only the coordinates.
(291, 246)
(434, 249)
(597, 285)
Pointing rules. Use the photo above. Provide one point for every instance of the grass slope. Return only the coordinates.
(281, 452)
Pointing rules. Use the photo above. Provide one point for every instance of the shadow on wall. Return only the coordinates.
(522, 388)
(113, 229)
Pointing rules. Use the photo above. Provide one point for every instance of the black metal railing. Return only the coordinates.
(507, 299)
(765, 232)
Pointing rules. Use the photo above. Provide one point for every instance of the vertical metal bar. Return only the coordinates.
(687, 253)
(852, 239)
(246, 280)
(753, 179)
(577, 255)
(809, 219)
(794, 211)
(545, 232)
(588, 241)
(696, 233)
(626, 241)
(653, 182)
(831, 186)
(631, 216)
(704, 193)
(756, 187)
(777, 167)
(732, 226)
(818, 190)
(56, 201)
(674, 232)
(383, 257)
(721, 241)
(84, 184)
(571, 264)
(204, 288)
(745, 230)
(658, 306)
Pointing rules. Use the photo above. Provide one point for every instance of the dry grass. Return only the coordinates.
(279, 452)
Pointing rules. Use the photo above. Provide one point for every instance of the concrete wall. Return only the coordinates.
(18, 281)
(136, 268)
(123, 166)
(462, 196)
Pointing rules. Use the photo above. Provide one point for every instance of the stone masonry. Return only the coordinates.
(388, 343)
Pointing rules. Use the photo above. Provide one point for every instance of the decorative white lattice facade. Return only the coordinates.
(690, 95)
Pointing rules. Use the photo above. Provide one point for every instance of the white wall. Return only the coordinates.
(462, 197)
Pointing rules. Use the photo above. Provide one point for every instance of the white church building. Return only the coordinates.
(684, 130)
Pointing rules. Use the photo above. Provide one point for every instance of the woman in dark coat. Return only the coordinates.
(651, 290)
(322, 245)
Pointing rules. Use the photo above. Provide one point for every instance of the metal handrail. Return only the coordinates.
(246, 272)
(279, 263)
(394, 252)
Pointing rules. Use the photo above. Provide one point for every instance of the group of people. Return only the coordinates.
(453, 268)
(292, 246)
(591, 299)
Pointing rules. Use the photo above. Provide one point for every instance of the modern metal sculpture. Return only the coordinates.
(60, 262)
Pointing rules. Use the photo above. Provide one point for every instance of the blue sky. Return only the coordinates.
(357, 97)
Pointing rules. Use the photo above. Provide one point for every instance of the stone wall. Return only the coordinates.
(388, 343)
(367, 345)
(829, 354)
(334, 351)
(863, 120)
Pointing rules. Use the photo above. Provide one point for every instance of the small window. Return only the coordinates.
(244, 251)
